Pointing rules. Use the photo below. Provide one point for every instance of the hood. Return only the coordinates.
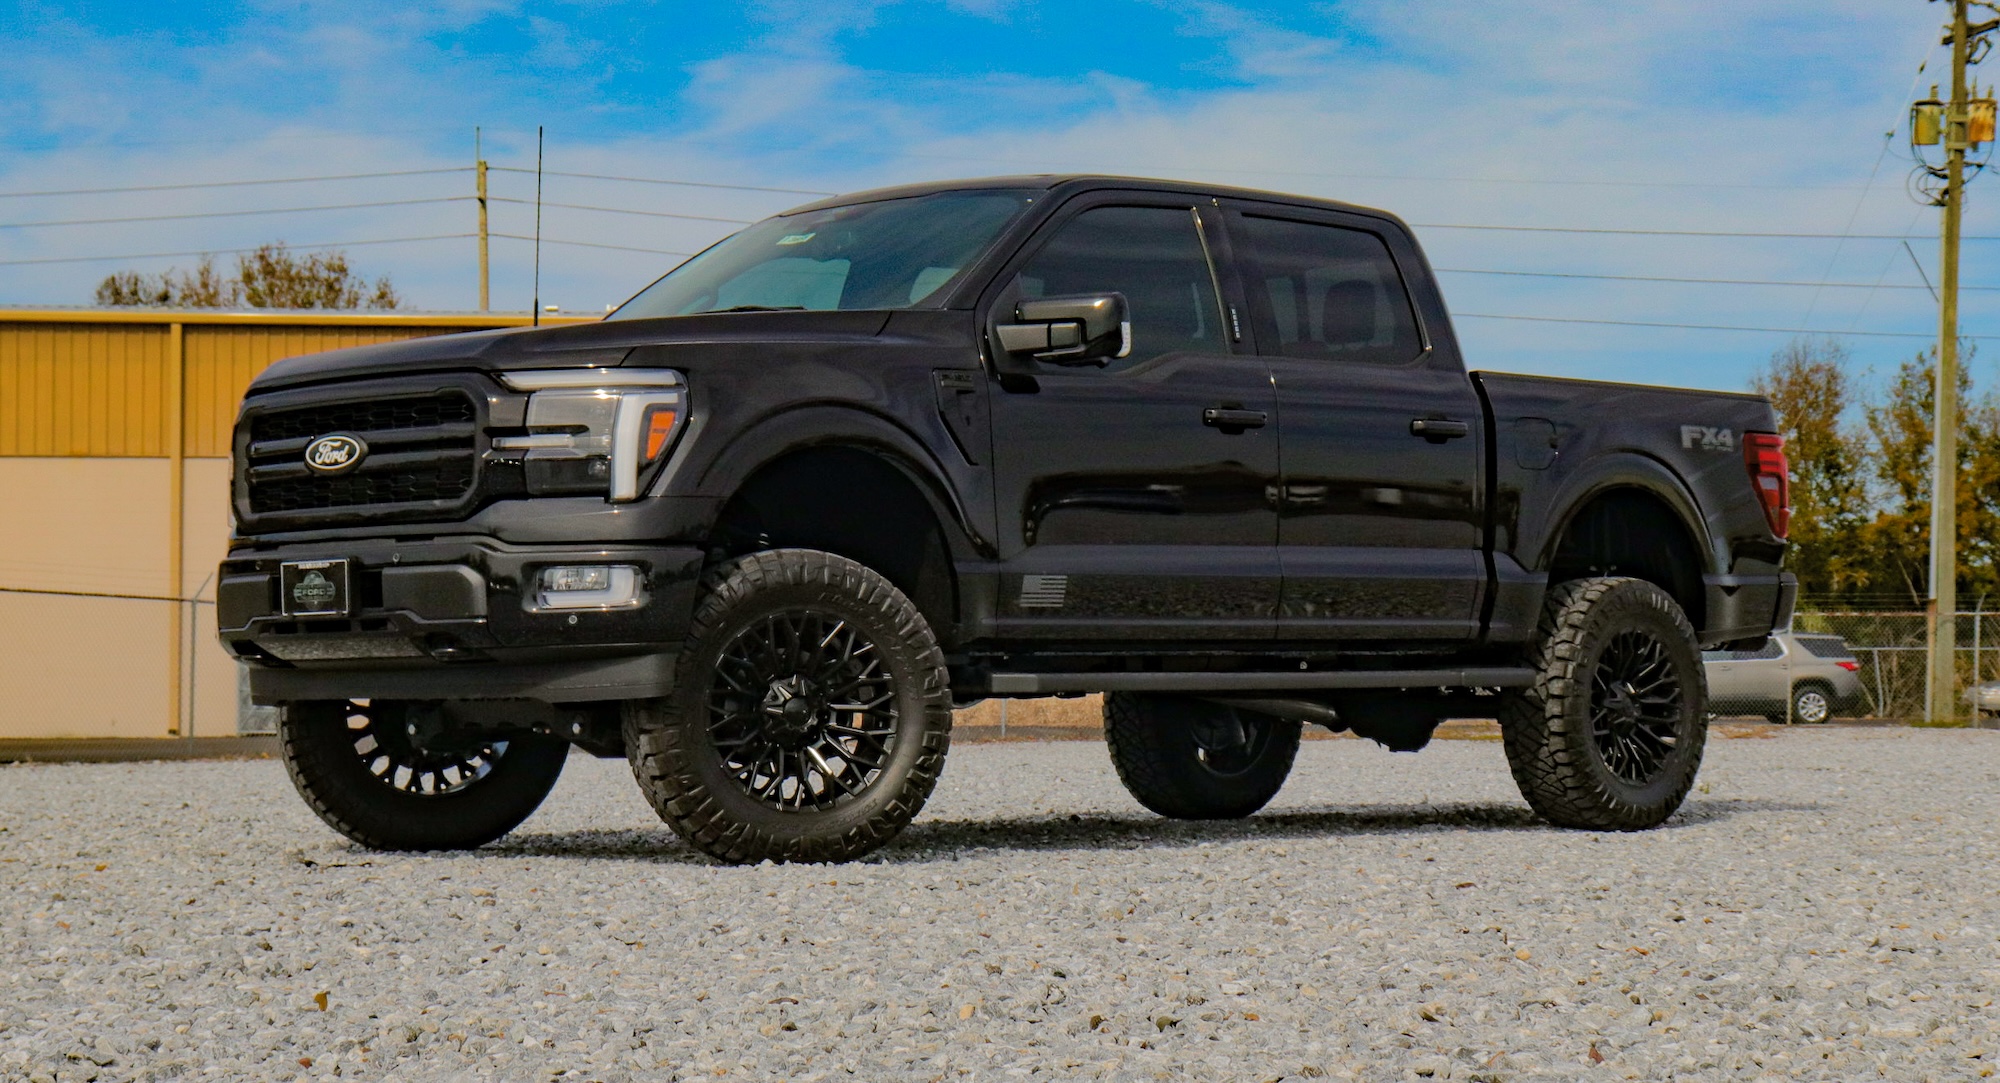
(602, 344)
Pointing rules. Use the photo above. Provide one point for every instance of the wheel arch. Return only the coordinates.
(829, 478)
(1632, 516)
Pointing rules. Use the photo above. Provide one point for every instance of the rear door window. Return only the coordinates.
(1324, 291)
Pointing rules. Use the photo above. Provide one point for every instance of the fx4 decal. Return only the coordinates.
(1706, 439)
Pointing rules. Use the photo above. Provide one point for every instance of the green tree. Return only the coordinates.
(1807, 382)
(271, 277)
(1897, 539)
(202, 287)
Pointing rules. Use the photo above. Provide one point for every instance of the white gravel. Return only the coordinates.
(1825, 908)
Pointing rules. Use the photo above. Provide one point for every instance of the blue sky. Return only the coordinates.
(1653, 114)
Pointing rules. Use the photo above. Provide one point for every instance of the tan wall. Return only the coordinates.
(98, 667)
(84, 667)
(87, 454)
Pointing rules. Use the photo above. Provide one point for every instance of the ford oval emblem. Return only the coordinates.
(335, 454)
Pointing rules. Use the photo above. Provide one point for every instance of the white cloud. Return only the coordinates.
(1632, 115)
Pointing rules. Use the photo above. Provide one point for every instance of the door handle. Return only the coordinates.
(1437, 431)
(1231, 420)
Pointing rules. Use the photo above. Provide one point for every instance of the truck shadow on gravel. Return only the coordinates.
(935, 840)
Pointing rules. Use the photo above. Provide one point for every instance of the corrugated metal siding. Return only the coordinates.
(83, 389)
(99, 385)
(221, 361)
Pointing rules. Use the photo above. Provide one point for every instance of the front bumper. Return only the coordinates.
(450, 618)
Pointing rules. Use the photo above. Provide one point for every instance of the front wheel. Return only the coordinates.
(390, 776)
(1193, 759)
(1610, 735)
(810, 714)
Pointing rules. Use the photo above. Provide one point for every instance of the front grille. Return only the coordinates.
(311, 422)
(423, 453)
(446, 479)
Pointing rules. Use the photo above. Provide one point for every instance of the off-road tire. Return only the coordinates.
(1157, 745)
(1557, 760)
(681, 770)
(334, 778)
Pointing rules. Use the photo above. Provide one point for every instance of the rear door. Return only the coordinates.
(1379, 529)
(1124, 512)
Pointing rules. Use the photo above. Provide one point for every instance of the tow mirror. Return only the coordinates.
(1088, 329)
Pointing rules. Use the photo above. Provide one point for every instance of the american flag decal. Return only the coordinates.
(1043, 591)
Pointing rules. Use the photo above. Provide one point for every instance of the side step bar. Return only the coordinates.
(1032, 684)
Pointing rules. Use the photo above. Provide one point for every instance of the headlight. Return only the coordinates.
(596, 430)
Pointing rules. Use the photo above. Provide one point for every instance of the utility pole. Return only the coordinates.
(1941, 608)
(479, 175)
(1960, 124)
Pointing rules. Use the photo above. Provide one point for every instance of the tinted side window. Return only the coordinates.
(1324, 291)
(1153, 256)
(1826, 647)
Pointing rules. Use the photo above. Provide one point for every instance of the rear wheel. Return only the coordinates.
(390, 776)
(1812, 704)
(810, 716)
(1610, 735)
(1192, 759)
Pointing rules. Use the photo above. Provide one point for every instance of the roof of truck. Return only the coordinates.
(1085, 181)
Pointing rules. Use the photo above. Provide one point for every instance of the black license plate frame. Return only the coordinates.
(316, 588)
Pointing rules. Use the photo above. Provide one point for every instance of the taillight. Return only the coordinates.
(1850, 666)
(1764, 458)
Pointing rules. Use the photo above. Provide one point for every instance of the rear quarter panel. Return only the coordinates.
(1684, 446)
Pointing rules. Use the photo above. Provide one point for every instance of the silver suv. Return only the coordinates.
(1796, 677)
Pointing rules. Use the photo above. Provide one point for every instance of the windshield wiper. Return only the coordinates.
(755, 308)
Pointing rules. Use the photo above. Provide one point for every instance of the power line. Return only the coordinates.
(1679, 232)
(1702, 281)
(590, 244)
(231, 214)
(681, 183)
(1182, 167)
(229, 251)
(1888, 137)
(621, 210)
(231, 184)
(1702, 326)
(315, 137)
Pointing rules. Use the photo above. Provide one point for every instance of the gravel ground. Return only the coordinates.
(1823, 909)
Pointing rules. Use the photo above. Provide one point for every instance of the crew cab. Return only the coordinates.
(1214, 453)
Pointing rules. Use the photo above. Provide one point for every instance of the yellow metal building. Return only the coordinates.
(114, 505)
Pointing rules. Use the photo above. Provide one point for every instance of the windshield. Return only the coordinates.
(894, 253)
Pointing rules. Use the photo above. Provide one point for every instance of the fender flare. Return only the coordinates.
(801, 428)
(1626, 470)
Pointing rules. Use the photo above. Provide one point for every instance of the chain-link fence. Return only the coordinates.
(1852, 663)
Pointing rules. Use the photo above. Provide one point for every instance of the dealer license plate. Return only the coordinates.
(314, 588)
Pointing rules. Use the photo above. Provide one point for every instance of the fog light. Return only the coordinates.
(588, 586)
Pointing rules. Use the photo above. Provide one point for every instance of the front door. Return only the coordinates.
(1379, 532)
(1128, 509)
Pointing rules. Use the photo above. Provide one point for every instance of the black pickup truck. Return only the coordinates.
(1211, 452)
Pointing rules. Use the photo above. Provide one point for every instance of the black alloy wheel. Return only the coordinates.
(1610, 735)
(1193, 759)
(1230, 741)
(1635, 706)
(802, 710)
(810, 715)
(394, 776)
